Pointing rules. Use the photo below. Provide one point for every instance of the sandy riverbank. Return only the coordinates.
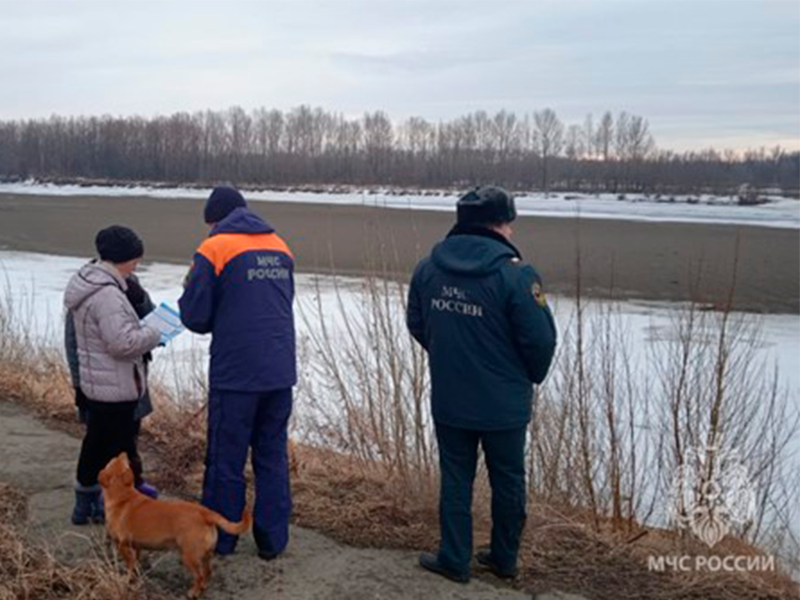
(644, 260)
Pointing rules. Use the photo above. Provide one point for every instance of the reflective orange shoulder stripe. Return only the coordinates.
(220, 249)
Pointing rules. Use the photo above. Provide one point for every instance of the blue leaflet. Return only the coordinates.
(167, 320)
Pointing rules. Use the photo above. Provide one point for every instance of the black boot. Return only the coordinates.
(99, 509)
(484, 558)
(431, 563)
(88, 505)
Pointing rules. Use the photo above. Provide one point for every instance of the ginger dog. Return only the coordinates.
(136, 522)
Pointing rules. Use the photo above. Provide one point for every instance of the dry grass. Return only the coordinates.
(173, 440)
(29, 570)
(564, 551)
(333, 494)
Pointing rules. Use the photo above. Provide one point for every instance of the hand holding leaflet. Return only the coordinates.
(167, 320)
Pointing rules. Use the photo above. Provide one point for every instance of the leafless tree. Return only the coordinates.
(549, 139)
(605, 136)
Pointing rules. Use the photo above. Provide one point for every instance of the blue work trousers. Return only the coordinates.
(237, 422)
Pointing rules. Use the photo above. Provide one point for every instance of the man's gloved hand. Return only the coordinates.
(188, 275)
(80, 398)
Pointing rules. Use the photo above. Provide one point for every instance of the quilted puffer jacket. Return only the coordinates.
(111, 340)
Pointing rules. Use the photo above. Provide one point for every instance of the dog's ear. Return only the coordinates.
(103, 478)
(127, 474)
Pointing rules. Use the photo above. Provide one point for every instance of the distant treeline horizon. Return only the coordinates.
(305, 145)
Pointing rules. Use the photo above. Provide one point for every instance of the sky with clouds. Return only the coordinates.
(705, 72)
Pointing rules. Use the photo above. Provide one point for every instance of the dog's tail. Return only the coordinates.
(234, 528)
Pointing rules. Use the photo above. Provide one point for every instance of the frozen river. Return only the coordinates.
(36, 284)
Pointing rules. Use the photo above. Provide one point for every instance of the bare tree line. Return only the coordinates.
(312, 146)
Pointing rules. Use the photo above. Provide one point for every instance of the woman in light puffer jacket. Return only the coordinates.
(111, 342)
(143, 305)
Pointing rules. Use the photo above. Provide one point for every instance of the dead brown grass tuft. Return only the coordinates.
(13, 505)
(562, 551)
(175, 436)
(29, 570)
(334, 495)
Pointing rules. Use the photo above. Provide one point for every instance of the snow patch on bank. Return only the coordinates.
(782, 213)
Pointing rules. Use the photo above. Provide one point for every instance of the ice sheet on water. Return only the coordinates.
(36, 284)
(778, 212)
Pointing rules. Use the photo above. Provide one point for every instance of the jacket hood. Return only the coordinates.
(89, 280)
(241, 220)
(472, 254)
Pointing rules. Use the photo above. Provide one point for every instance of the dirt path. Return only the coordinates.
(41, 462)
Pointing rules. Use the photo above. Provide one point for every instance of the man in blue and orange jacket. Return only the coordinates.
(241, 289)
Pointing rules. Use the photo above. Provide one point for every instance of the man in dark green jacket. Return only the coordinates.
(481, 314)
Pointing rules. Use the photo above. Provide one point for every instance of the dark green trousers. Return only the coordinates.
(504, 452)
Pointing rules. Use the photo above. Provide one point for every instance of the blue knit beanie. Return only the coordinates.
(221, 202)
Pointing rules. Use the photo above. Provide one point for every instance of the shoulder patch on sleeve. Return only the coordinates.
(538, 294)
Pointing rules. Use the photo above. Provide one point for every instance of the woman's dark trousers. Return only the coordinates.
(110, 430)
